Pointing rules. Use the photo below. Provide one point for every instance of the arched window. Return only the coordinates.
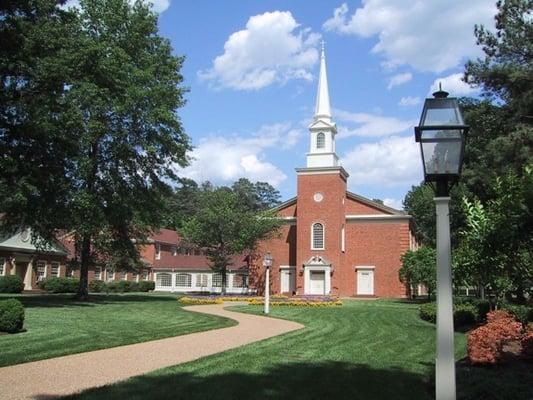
(318, 236)
(183, 280)
(320, 141)
(163, 279)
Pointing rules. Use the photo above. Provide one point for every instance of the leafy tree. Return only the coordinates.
(496, 250)
(224, 227)
(256, 196)
(121, 135)
(34, 146)
(420, 267)
(419, 203)
(182, 203)
(506, 71)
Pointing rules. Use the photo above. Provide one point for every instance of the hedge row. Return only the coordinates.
(464, 312)
(70, 285)
(59, 285)
(11, 284)
(11, 316)
(97, 286)
(469, 311)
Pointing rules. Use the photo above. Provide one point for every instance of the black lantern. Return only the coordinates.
(267, 261)
(441, 134)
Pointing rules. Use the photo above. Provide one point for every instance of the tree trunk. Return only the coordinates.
(224, 280)
(83, 288)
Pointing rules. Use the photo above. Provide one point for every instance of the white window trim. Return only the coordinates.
(343, 238)
(3, 261)
(323, 135)
(323, 236)
(189, 280)
(99, 274)
(109, 275)
(52, 269)
(37, 269)
(164, 273)
(157, 251)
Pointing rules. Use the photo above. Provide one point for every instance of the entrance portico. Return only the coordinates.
(317, 276)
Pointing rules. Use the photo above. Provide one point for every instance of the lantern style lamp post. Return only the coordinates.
(267, 263)
(441, 134)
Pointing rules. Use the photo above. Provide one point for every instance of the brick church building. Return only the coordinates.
(333, 241)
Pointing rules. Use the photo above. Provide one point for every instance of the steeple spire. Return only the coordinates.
(322, 129)
(322, 109)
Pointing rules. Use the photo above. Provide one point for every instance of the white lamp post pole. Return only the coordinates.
(267, 290)
(267, 263)
(445, 365)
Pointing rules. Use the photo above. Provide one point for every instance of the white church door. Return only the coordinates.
(317, 282)
(365, 282)
(288, 281)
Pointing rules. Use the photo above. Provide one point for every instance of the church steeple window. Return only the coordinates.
(318, 236)
(320, 140)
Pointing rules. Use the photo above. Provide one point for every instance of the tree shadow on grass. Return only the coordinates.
(326, 380)
(68, 300)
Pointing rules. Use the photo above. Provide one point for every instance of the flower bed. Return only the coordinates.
(299, 303)
(276, 300)
(190, 301)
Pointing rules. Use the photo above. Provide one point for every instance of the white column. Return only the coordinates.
(445, 365)
(327, 280)
(173, 281)
(28, 277)
(267, 291)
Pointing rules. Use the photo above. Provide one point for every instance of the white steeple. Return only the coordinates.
(322, 108)
(322, 129)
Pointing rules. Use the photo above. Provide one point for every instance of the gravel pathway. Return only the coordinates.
(49, 379)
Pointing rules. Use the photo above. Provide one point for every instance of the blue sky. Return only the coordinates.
(252, 69)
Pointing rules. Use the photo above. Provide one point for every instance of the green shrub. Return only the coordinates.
(11, 316)
(11, 284)
(146, 286)
(97, 286)
(112, 287)
(464, 314)
(520, 312)
(134, 286)
(124, 286)
(428, 312)
(483, 307)
(60, 285)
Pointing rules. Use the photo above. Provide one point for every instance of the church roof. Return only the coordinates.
(375, 204)
(353, 196)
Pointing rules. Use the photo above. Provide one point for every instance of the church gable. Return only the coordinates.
(359, 205)
(287, 208)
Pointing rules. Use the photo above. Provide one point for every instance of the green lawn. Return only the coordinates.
(57, 325)
(363, 350)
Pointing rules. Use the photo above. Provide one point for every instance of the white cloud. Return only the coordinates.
(157, 5)
(224, 159)
(393, 161)
(409, 101)
(399, 79)
(453, 85)
(394, 203)
(428, 35)
(370, 124)
(272, 49)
